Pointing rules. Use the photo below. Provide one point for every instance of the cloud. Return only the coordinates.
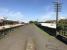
(12, 15)
(48, 16)
(48, 13)
(62, 18)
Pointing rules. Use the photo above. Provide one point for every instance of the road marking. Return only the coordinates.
(30, 45)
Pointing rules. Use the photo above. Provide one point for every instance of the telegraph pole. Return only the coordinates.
(57, 10)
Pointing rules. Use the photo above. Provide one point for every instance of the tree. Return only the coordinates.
(35, 22)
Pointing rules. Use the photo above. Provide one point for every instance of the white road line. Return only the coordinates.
(30, 45)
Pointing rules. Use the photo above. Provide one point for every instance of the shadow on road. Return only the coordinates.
(64, 40)
(52, 32)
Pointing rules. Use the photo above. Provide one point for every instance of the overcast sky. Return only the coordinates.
(26, 10)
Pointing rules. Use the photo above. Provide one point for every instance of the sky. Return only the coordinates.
(26, 10)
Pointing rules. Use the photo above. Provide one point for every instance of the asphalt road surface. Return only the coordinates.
(38, 39)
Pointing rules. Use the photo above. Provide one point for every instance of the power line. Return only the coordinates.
(57, 5)
(57, 9)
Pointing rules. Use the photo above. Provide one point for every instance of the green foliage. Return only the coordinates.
(30, 21)
(35, 22)
(62, 24)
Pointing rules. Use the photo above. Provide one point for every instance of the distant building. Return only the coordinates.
(7, 22)
(50, 21)
(64, 21)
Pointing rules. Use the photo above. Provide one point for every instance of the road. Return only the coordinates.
(18, 39)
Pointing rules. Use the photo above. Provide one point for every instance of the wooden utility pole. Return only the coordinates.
(57, 10)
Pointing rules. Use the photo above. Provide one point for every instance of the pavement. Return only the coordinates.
(30, 37)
